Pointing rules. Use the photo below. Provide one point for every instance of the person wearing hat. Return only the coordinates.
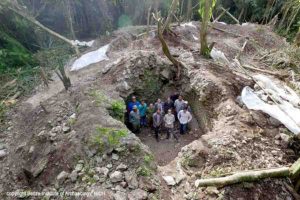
(135, 119)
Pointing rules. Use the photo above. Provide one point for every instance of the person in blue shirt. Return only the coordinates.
(143, 111)
(132, 103)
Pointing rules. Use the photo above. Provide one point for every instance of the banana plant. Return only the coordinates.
(205, 11)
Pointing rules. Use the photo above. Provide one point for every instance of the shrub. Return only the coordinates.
(117, 110)
(106, 138)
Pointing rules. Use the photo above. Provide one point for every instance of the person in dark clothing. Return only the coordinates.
(169, 104)
(174, 96)
(132, 103)
(157, 123)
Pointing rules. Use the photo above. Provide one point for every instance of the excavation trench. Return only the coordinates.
(153, 87)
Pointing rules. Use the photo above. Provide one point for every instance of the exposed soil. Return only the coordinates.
(234, 138)
(166, 150)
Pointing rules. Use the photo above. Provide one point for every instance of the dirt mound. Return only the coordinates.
(77, 141)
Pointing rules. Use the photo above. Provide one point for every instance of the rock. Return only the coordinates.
(73, 176)
(179, 177)
(146, 184)
(79, 167)
(39, 166)
(109, 166)
(122, 167)
(239, 101)
(259, 118)
(284, 137)
(31, 150)
(102, 171)
(212, 190)
(131, 179)
(137, 194)
(169, 180)
(96, 177)
(3, 153)
(56, 129)
(62, 176)
(73, 116)
(124, 184)
(166, 73)
(66, 128)
(115, 156)
(2, 146)
(120, 196)
(274, 122)
(116, 176)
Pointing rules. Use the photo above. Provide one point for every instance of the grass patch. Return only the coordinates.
(99, 97)
(106, 138)
(144, 171)
(117, 109)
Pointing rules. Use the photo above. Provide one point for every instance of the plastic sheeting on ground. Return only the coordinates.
(219, 56)
(286, 111)
(83, 43)
(90, 58)
(188, 24)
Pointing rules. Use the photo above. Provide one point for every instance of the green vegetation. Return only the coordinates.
(2, 111)
(188, 162)
(144, 171)
(117, 109)
(146, 168)
(99, 97)
(106, 138)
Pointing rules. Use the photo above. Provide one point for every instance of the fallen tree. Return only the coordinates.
(14, 7)
(292, 172)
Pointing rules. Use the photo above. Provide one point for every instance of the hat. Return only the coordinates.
(134, 107)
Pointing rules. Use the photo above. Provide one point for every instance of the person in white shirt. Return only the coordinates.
(184, 117)
(169, 120)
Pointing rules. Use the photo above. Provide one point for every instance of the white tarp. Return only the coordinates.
(219, 56)
(188, 24)
(83, 43)
(286, 111)
(90, 58)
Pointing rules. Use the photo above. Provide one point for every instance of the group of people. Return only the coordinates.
(160, 115)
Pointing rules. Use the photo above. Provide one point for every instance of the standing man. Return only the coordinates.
(179, 104)
(143, 112)
(132, 103)
(159, 105)
(134, 119)
(184, 117)
(150, 112)
(169, 120)
(169, 104)
(157, 122)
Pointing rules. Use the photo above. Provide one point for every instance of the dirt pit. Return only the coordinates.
(165, 150)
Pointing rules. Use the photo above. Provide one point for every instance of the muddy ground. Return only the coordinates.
(77, 145)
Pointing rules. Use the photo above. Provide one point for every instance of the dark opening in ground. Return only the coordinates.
(165, 150)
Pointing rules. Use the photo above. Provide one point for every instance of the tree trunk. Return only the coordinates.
(189, 10)
(297, 39)
(247, 176)
(70, 18)
(51, 32)
(204, 27)
(170, 15)
(165, 48)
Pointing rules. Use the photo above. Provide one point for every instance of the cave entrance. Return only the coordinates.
(165, 150)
